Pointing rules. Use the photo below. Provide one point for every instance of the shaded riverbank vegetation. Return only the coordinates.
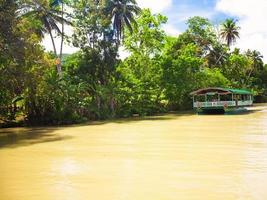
(40, 87)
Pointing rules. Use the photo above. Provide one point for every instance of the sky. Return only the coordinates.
(251, 15)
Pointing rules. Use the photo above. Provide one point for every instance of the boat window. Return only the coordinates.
(245, 97)
(226, 97)
(212, 98)
(237, 97)
(200, 98)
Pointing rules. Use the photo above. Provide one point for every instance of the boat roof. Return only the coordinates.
(218, 90)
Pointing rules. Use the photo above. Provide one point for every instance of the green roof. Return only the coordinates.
(238, 91)
(220, 90)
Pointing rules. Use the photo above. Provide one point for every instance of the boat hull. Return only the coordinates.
(221, 110)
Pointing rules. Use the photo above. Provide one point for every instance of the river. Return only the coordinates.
(169, 157)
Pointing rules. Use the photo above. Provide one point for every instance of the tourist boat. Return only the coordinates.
(221, 99)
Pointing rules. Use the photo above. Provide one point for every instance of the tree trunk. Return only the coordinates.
(55, 50)
(98, 102)
(112, 106)
(62, 40)
(249, 75)
(219, 59)
(53, 42)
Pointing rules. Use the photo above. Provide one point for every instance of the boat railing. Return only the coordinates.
(209, 104)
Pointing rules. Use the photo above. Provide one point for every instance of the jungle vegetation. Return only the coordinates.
(41, 87)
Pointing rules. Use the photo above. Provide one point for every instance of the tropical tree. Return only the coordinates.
(236, 70)
(12, 59)
(217, 55)
(23, 61)
(181, 74)
(256, 58)
(57, 3)
(229, 31)
(257, 62)
(122, 13)
(149, 38)
(50, 17)
(201, 31)
(140, 88)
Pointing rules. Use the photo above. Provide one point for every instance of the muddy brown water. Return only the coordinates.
(170, 157)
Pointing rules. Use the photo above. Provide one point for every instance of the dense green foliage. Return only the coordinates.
(94, 83)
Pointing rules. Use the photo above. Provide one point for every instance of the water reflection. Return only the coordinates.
(16, 137)
(63, 172)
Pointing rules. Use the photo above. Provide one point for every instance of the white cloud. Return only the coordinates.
(159, 6)
(171, 30)
(155, 5)
(242, 7)
(183, 14)
(252, 18)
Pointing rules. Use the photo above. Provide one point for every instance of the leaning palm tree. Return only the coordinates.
(229, 31)
(50, 17)
(217, 55)
(122, 13)
(57, 3)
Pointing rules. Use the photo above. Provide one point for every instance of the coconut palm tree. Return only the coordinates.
(50, 17)
(229, 31)
(257, 62)
(217, 55)
(122, 13)
(256, 58)
(57, 3)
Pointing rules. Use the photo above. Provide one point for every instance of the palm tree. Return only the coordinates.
(256, 58)
(229, 31)
(122, 13)
(217, 55)
(50, 17)
(57, 3)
